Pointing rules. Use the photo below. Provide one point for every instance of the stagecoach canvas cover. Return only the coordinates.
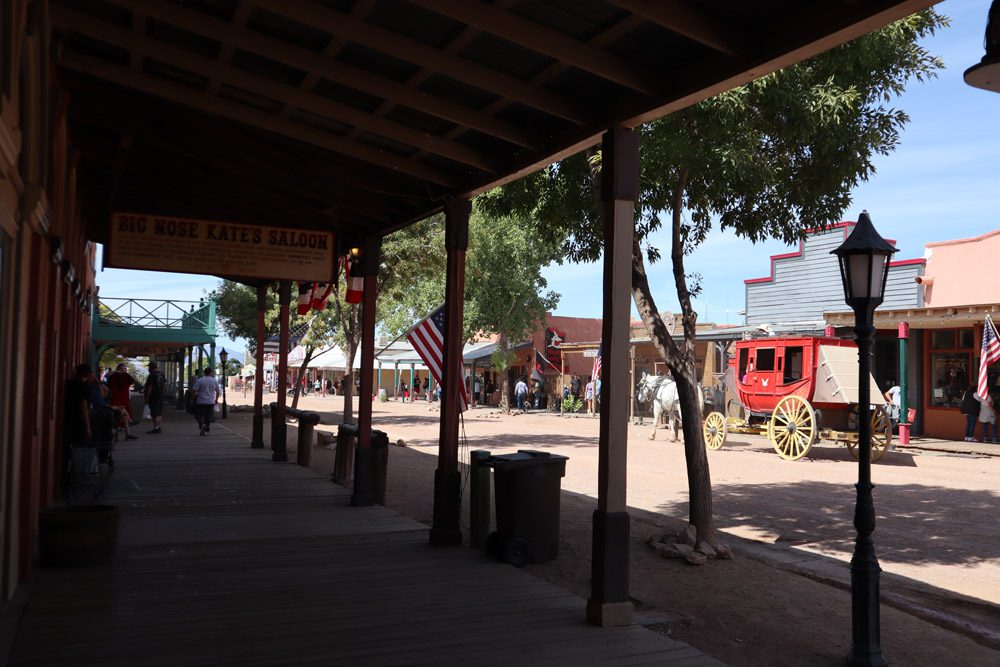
(837, 377)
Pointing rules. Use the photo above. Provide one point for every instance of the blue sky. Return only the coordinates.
(942, 182)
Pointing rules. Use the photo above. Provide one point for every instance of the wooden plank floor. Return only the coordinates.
(226, 558)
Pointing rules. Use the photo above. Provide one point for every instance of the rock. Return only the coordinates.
(401, 443)
(695, 558)
(688, 536)
(325, 438)
(684, 549)
(666, 550)
(724, 551)
(706, 549)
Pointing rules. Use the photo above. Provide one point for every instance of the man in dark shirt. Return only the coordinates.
(76, 406)
(574, 386)
(156, 383)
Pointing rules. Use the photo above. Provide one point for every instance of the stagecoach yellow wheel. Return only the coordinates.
(792, 428)
(715, 430)
(881, 435)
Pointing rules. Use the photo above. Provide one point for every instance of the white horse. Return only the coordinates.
(662, 390)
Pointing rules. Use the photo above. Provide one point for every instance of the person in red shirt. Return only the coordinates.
(120, 383)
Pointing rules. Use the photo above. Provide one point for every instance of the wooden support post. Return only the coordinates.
(279, 449)
(609, 603)
(632, 383)
(306, 437)
(447, 480)
(180, 381)
(257, 438)
(479, 499)
(364, 461)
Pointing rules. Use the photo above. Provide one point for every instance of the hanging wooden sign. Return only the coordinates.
(183, 245)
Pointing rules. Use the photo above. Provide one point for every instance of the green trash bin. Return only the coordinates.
(527, 486)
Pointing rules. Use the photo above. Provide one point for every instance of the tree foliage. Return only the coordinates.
(505, 291)
(236, 311)
(769, 159)
(411, 275)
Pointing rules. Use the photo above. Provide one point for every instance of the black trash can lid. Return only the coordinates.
(523, 458)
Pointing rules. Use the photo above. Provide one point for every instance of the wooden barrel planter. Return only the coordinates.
(76, 535)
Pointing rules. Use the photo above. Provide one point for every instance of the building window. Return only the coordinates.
(943, 339)
(793, 365)
(743, 359)
(950, 366)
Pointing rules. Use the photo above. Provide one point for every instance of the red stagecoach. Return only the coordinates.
(797, 391)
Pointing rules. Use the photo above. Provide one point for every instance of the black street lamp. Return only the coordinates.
(986, 74)
(864, 268)
(223, 357)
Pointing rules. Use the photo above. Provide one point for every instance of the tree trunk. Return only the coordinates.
(351, 328)
(681, 363)
(352, 348)
(302, 373)
(504, 375)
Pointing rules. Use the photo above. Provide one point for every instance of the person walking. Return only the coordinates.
(987, 417)
(120, 384)
(970, 408)
(207, 394)
(588, 394)
(574, 386)
(893, 396)
(154, 394)
(520, 393)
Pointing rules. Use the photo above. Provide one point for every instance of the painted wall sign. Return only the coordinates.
(182, 245)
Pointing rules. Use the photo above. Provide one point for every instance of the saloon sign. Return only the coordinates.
(183, 245)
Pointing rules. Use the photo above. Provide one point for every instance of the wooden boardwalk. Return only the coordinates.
(226, 558)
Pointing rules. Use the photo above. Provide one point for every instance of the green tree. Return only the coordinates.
(236, 311)
(505, 292)
(323, 327)
(237, 316)
(411, 275)
(766, 160)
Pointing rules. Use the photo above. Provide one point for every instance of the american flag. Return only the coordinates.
(596, 374)
(427, 338)
(990, 354)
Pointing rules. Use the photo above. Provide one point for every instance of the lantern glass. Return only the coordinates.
(223, 355)
(866, 275)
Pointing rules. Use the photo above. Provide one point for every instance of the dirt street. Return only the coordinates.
(783, 599)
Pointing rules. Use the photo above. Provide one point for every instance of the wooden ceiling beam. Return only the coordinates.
(101, 106)
(240, 17)
(327, 68)
(462, 40)
(330, 52)
(542, 39)
(291, 203)
(218, 72)
(189, 173)
(261, 119)
(682, 19)
(142, 197)
(167, 180)
(422, 55)
(613, 33)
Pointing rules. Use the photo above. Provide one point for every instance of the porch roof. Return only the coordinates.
(362, 116)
